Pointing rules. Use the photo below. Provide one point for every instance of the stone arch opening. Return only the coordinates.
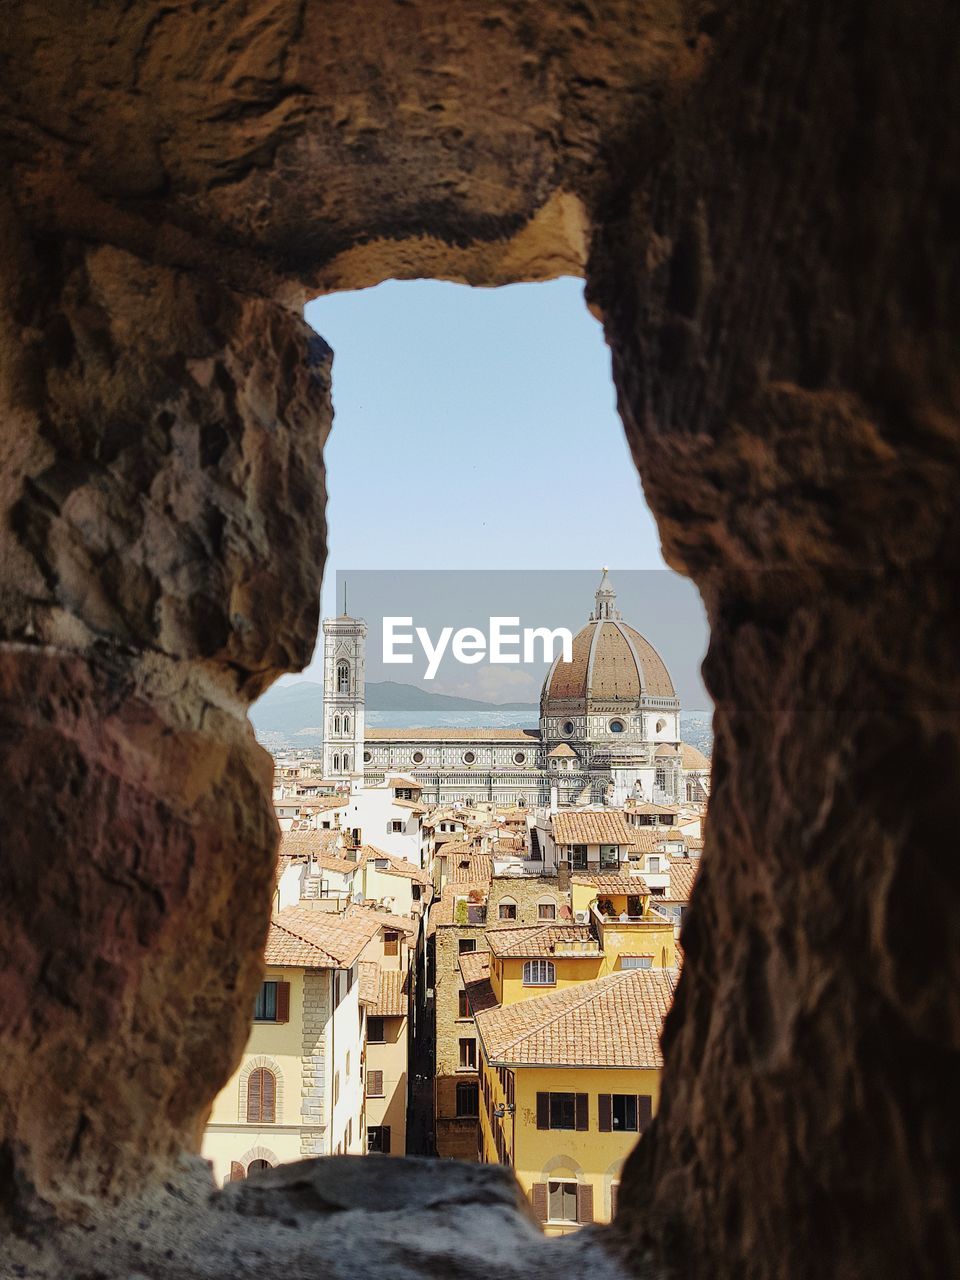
(782, 321)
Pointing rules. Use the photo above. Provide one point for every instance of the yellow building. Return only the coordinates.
(299, 1088)
(568, 1082)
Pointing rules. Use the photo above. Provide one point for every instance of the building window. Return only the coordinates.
(468, 1101)
(469, 757)
(519, 757)
(463, 1004)
(661, 777)
(468, 1055)
(616, 726)
(336, 764)
(660, 726)
(624, 1112)
(653, 865)
(378, 1139)
(343, 677)
(367, 757)
(539, 973)
(568, 727)
(562, 1201)
(261, 1097)
(374, 1084)
(265, 1007)
(578, 857)
(375, 1031)
(272, 1003)
(563, 1111)
(346, 724)
(396, 825)
(636, 962)
(346, 762)
(508, 910)
(415, 892)
(466, 945)
(609, 855)
(258, 1166)
(417, 757)
(336, 724)
(546, 911)
(391, 943)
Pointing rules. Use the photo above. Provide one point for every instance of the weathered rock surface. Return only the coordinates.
(763, 199)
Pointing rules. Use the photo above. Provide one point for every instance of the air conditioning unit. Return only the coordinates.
(582, 917)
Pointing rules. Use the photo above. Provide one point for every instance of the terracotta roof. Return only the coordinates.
(458, 846)
(644, 839)
(319, 803)
(522, 736)
(395, 866)
(683, 874)
(479, 872)
(392, 1001)
(614, 1021)
(475, 967)
(408, 804)
(595, 826)
(611, 663)
(303, 844)
(611, 883)
(665, 750)
(646, 807)
(399, 780)
(369, 972)
(692, 757)
(382, 919)
(305, 937)
(443, 909)
(671, 833)
(562, 749)
(523, 940)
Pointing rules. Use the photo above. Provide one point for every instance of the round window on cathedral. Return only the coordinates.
(367, 757)
(568, 727)
(468, 757)
(519, 758)
(616, 726)
(417, 757)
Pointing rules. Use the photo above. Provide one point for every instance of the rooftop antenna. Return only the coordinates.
(344, 597)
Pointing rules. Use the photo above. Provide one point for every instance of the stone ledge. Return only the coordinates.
(405, 1218)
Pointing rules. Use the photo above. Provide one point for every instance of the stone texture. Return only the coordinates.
(763, 198)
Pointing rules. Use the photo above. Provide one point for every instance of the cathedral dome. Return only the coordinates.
(613, 668)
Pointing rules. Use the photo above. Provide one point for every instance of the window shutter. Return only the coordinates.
(543, 1118)
(614, 1189)
(283, 1001)
(582, 1112)
(269, 1113)
(538, 1195)
(644, 1111)
(605, 1113)
(236, 1171)
(584, 1202)
(375, 1083)
(385, 1139)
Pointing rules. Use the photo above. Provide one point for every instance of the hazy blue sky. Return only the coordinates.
(476, 429)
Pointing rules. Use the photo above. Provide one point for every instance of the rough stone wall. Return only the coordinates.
(765, 198)
(454, 1140)
(783, 316)
(527, 893)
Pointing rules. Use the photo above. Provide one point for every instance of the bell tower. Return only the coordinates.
(343, 696)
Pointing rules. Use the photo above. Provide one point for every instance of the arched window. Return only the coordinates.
(336, 763)
(336, 724)
(261, 1097)
(539, 973)
(508, 909)
(257, 1166)
(343, 677)
(346, 724)
(346, 761)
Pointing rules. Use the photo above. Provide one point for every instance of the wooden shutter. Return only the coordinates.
(375, 1084)
(385, 1139)
(390, 944)
(543, 1118)
(614, 1189)
(605, 1112)
(283, 1001)
(236, 1171)
(644, 1111)
(538, 1194)
(269, 1109)
(584, 1202)
(582, 1111)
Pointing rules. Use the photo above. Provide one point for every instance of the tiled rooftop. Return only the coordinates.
(521, 941)
(594, 826)
(305, 937)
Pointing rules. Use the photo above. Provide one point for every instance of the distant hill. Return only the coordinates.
(286, 710)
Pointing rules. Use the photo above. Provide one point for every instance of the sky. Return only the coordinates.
(475, 429)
